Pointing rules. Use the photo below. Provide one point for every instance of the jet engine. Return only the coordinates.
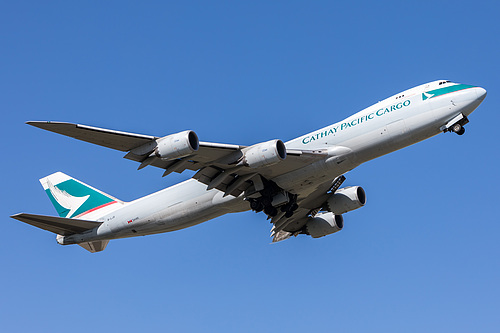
(264, 154)
(346, 199)
(177, 145)
(324, 224)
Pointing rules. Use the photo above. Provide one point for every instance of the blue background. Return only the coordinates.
(422, 255)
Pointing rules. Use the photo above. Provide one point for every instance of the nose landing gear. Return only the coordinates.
(455, 125)
(457, 128)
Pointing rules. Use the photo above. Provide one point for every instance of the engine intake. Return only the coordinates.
(346, 199)
(264, 154)
(177, 145)
(324, 224)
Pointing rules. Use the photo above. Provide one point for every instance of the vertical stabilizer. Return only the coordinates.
(74, 199)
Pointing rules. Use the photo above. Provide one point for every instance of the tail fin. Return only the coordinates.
(74, 199)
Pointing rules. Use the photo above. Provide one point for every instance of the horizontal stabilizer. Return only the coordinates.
(58, 225)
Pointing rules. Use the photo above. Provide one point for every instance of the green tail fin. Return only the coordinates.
(73, 199)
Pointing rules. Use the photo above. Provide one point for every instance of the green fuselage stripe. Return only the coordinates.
(444, 90)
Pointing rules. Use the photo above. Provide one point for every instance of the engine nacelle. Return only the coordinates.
(324, 224)
(264, 154)
(177, 145)
(346, 199)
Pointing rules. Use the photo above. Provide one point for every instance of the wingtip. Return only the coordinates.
(37, 123)
(40, 123)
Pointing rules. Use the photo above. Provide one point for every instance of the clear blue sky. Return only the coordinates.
(422, 255)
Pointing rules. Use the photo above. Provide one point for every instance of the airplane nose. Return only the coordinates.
(481, 94)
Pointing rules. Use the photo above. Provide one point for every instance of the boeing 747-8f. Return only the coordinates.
(297, 184)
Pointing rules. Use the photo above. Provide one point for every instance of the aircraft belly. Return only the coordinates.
(192, 212)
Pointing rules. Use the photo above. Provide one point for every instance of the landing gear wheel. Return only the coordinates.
(266, 201)
(271, 211)
(256, 206)
(459, 129)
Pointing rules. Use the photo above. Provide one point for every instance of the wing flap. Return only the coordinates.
(58, 225)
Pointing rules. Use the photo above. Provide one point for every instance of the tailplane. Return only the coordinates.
(58, 225)
(79, 206)
(63, 226)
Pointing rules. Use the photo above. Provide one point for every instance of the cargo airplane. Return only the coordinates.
(296, 184)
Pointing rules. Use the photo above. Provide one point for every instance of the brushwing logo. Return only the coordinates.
(444, 90)
(426, 96)
(66, 200)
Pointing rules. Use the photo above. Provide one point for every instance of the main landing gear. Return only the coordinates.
(272, 200)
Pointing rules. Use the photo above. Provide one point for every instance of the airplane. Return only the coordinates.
(297, 184)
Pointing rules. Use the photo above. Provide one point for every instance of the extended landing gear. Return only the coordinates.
(265, 204)
(290, 207)
(272, 200)
(257, 206)
(457, 128)
(455, 125)
(271, 211)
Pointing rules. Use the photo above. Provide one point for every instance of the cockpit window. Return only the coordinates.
(443, 82)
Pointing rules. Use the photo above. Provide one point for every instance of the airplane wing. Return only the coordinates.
(103, 137)
(216, 163)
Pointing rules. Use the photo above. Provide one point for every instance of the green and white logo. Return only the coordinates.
(445, 90)
(72, 198)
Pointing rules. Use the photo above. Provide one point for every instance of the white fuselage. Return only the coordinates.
(396, 122)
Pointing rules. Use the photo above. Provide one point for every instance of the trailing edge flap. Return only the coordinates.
(58, 225)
